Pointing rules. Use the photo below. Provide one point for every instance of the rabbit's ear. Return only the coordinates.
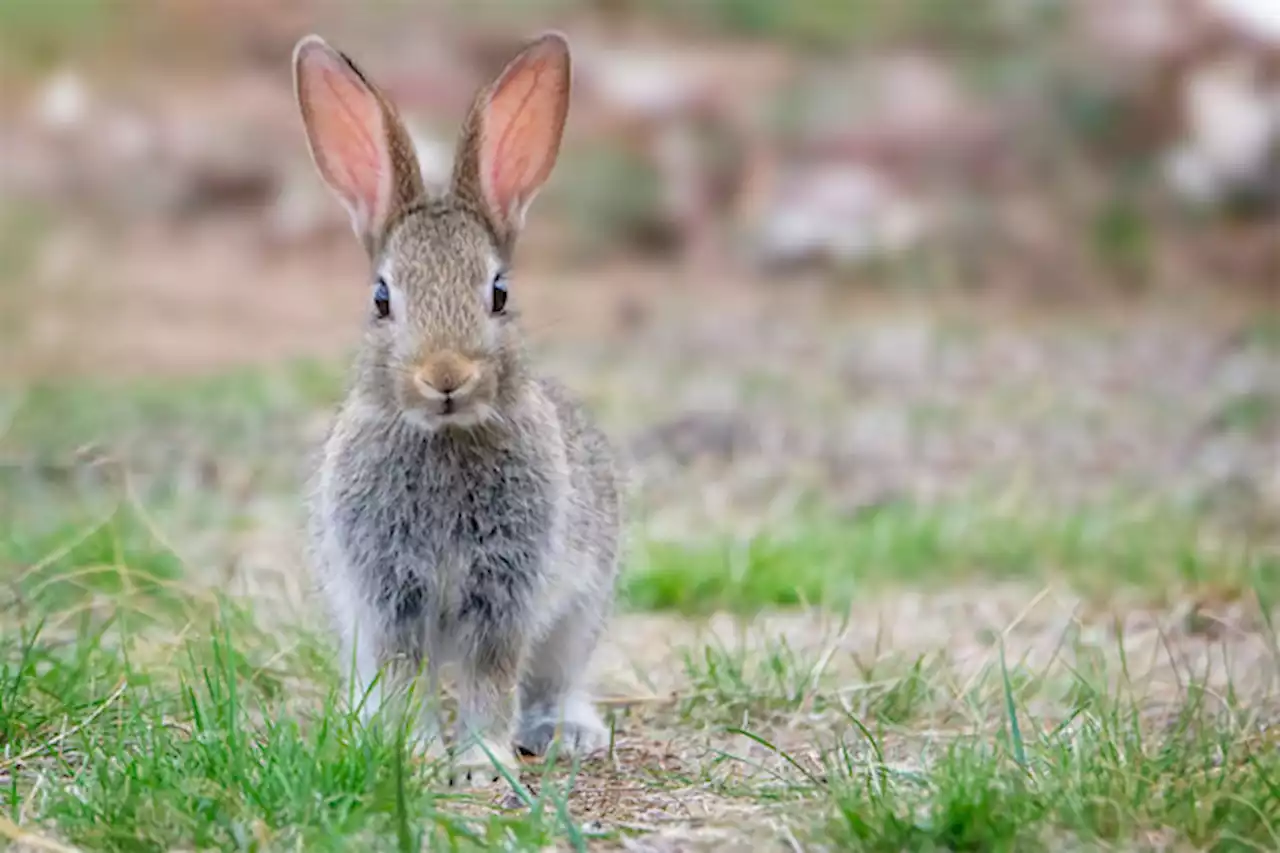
(358, 142)
(512, 136)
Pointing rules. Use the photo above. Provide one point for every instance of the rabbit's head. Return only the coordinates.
(440, 342)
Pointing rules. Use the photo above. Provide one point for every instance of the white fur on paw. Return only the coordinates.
(475, 768)
(578, 737)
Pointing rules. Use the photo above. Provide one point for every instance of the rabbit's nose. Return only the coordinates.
(445, 376)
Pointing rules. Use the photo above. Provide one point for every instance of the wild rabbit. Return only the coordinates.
(466, 511)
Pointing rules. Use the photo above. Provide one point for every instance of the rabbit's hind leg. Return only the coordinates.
(554, 701)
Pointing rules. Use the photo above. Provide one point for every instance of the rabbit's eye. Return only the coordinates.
(498, 294)
(382, 299)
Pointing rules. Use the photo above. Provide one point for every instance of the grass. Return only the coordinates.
(137, 713)
(226, 412)
(1110, 770)
(731, 684)
(60, 550)
(205, 732)
(1105, 778)
(834, 562)
(37, 35)
(112, 557)
(842, 23)
(1251, 412)
(1264, 333)
(743, 686)
(208, 752)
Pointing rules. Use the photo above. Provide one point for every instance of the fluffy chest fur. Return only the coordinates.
(444, 526)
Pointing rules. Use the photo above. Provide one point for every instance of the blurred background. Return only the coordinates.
(958, 317)
(814, 258)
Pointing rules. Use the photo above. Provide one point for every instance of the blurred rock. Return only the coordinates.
(62, 103)
(905, 111)
(1137, 32)
(848, 184)
(1231, 136)
(1200, 80)
(1259, 19)
(303, 209)
(693, 114)
(153, 153)
(837, 213)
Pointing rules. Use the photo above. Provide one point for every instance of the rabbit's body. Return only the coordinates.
(497, 543)
(466, 511)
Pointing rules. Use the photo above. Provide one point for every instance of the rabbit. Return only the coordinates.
(466, 511)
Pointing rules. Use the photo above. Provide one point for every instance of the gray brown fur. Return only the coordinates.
(490, 544)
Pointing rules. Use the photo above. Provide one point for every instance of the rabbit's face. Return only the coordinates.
(441, 346)
(439, 318)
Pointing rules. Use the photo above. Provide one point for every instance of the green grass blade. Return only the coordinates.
(1011, 712)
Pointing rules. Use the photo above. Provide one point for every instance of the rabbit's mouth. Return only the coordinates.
(435, 414)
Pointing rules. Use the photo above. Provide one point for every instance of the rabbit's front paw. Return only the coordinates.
(477, 766)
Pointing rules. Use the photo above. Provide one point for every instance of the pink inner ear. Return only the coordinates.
(522, 127)
(347, 132)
